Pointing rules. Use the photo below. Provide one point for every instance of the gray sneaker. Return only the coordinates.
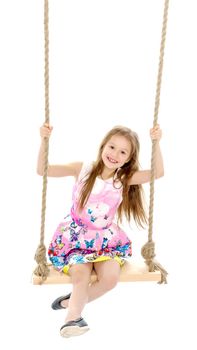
(73, 328)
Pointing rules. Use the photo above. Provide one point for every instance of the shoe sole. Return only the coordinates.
(71, 331)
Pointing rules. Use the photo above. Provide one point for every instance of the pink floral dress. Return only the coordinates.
(90, 236)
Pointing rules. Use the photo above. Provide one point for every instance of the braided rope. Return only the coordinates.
(148, 250)
(40, 255)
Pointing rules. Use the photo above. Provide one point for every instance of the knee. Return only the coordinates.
(110, 281)
(80, 276)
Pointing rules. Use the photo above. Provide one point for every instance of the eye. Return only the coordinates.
(123, 152)
(112, 147)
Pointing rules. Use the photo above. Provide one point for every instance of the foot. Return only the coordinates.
(74, 328)
(64, 303)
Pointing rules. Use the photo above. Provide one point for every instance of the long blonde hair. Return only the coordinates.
(132, 204)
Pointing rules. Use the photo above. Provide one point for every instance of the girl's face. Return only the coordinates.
(116, 152)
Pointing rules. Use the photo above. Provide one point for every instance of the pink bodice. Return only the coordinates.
(102, 204)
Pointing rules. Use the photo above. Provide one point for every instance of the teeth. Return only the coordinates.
(112, 160)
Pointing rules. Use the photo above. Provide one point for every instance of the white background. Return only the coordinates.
(103, 68)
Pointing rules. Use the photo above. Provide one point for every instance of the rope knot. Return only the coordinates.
(148, 251)
(40, 254)
(42, 269)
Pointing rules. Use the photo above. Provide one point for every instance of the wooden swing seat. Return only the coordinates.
(130, 272)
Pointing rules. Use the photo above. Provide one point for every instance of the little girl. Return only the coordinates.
(88, 238)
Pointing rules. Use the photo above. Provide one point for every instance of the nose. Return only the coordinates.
(115, 154)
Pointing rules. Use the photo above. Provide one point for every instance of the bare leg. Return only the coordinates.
(80, 278)
(108, 273)
(108, 276)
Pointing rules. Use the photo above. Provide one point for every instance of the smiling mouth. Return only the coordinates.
(111, 160)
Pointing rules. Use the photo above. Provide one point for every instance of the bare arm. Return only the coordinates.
(70, 169)
(144, 176)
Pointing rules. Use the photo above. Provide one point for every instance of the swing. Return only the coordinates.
(150, 269)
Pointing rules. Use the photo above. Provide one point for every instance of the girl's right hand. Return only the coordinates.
(45, 130)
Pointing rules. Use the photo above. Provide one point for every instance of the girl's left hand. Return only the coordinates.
(156, 133)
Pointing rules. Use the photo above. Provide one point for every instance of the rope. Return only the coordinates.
(148, 250)
(40, 255)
